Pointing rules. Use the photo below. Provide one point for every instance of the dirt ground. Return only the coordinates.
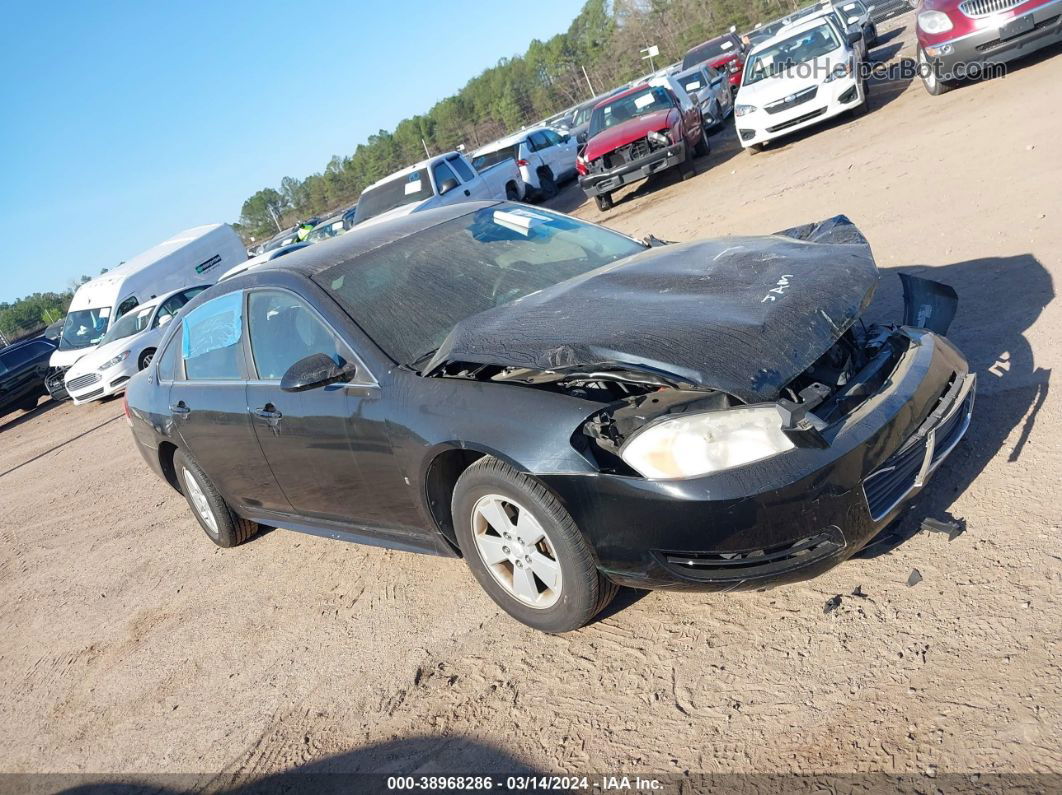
(130, 644)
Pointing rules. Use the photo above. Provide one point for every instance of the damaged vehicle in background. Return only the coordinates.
(567, 408)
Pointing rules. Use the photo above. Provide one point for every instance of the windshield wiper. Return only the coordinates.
(423, 359)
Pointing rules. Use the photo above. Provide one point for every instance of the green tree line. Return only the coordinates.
(605, 39)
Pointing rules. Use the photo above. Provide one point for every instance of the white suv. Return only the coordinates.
(807, 73)
(544, 156)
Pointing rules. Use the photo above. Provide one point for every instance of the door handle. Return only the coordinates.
(180, 407)
(267, 412)
(468, 192)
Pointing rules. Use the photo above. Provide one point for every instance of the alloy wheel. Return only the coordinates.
(517, 551)
(199, 501)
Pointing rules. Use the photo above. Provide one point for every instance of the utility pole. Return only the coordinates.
(273, 215)
(591, 85)
(425, 145)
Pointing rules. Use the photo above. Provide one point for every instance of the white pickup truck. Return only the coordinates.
(436, 182)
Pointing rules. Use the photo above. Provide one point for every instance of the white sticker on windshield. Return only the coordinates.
(644, 101)
(413, 187)
(519, 220)
(693, 86)
(105, 312)
(727, 45)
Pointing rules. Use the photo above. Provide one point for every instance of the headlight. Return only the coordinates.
(934, 22)
(744, 110)
(839, 71)
(121, 357)
(659, 137)
(700, 444)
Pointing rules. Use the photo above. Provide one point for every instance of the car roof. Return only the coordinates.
(362, 239)
(625, 93)
(509, 140)
(14, 346)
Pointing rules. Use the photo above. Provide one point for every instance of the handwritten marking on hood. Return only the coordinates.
(726, 251)
(776, 292)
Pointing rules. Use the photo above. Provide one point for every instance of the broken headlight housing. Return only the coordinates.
(744, 110)
(700, 444)
(659, 137)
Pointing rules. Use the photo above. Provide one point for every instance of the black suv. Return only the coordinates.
(23, 367)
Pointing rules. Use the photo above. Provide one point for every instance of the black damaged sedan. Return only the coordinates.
(566, 408)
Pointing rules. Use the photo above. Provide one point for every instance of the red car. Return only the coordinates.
(958, 39)
(637, 133)
(724, 53)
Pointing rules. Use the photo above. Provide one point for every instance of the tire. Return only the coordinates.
(492, 488)
(604, 202)
(755, 149)
(145, 358)
(511, 193)
(547, 186)
(703, 148)
(30, 404)
(214, 515)
(930, 78)
(861, 109)
(689, 170)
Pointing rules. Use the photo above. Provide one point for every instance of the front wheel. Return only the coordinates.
(214, 515)
(511, 193)
(604, 202)
(930, 76)
(145, 358)
(525, 549)
(702, 147)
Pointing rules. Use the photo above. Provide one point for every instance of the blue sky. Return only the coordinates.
(124, 122)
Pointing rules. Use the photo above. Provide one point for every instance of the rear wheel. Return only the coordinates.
(547, 186)
(145, 358)
(931, 79)
(214, 515)
(604, 202)
(526, 550)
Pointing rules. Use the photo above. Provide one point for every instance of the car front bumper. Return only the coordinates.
(1004, 38)
(832, 99)
(790, 517)
(600, 182)
(84, 389)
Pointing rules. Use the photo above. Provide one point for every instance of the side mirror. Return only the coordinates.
(565, 138)
(447, 186)
(316, 370)
(855, 37)
(164, 320)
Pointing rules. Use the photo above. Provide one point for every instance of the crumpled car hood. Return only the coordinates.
(742, 315)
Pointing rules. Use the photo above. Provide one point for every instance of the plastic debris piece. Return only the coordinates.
(859, 592)
(914, 579)
(832, 604)
(952, 528)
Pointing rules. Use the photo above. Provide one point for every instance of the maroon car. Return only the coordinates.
(637, 133)
(958, 39)
(724, 53)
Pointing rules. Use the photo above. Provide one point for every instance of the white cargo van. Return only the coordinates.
(196, 256)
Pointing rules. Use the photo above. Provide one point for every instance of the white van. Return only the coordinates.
(195, 256)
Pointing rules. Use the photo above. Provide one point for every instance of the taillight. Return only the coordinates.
(126, 409)
(521, 162)
(580, 166)
(734, 65)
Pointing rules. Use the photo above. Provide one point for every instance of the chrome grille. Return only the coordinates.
(985, 8)
(83, 381)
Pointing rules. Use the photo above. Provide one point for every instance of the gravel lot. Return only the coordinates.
(130, 644)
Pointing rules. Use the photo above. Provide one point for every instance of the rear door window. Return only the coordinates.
(459, 166)
(168, 359)
(211, 340)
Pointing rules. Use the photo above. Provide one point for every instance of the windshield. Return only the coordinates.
(724, 45)
(326, 230)
(84, 328)
(786, 54)
(406, 189)
(485, 160)
(697, 81)
(629, 106)
(128, 324)
(582, 116)
(409, 295)
(855, 9)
